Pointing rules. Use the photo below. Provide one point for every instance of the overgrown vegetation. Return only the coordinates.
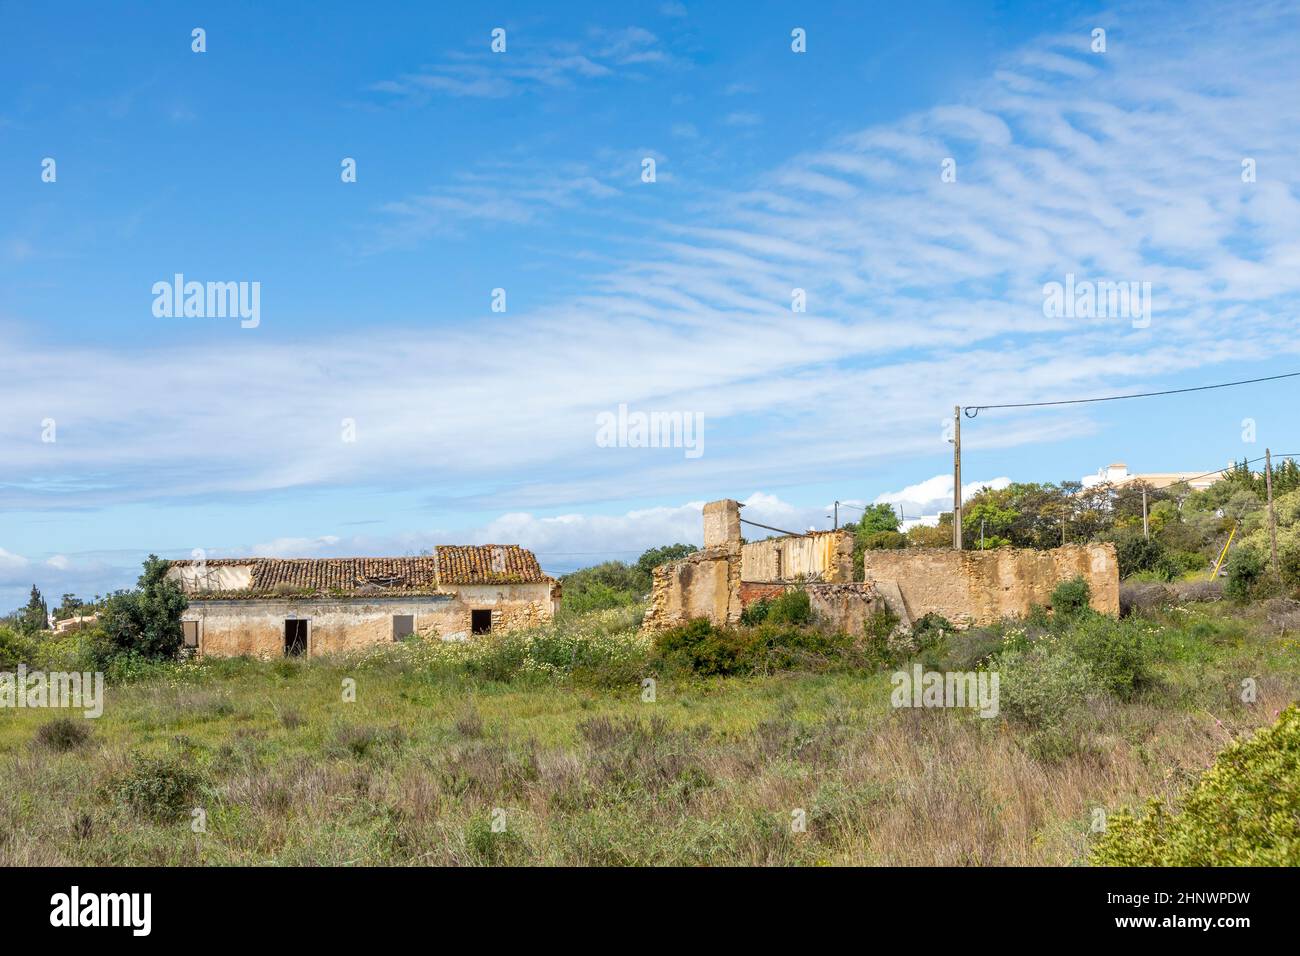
(616, 584)
(1185, 531)
(554, 733)
(1243, 811)
(602, 745)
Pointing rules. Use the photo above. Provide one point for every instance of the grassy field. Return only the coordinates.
(574, 767)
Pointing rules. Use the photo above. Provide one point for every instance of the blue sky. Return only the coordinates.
(522, 170)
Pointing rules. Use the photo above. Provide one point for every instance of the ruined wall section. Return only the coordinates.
(979, 587)
(819, 556)
(967, 587)
(705, 584)
(255, 626)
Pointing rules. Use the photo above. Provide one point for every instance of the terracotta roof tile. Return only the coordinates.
(449, 565)
(487, 564)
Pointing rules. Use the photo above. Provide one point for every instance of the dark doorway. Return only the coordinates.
(480, 622)
(403, 626)
(295, 638)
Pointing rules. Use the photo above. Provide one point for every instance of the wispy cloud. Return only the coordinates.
(506, 194)
(1125, 166)
(528, 65)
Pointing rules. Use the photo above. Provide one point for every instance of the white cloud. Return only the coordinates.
(295, 547)
(923, 502)
(11, 563)
(915, 289)
(565, 541)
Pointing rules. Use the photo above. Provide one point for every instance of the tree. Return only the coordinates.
(146, 620)
(615, 583)
(931, 536)
(69, 607)
(654, 557)
(988, 515)
(35, 616)
(877, 517)
(877, 528)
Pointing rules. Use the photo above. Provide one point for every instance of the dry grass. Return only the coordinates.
(416, 772)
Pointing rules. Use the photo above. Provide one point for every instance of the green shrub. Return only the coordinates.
(789, 607)
(1289, 565)
(1070, 597)
(1138, 556)
(701, 648)
(1189, 561)
(884, 541)
(1245, 572)
(929, 629)
(877, 630)
(1041, 687)
(1244, 811)
(160, 787)
(791, 647)
(792, 607)
(966, 650)
(63, 734)
(755, 612)
(15, 648)
(595, 596)
(1120, 653)
(498, 657)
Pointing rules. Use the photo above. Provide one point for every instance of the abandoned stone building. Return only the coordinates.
(966, 587)
(268, 607)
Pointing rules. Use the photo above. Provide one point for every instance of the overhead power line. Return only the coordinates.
(973, 410)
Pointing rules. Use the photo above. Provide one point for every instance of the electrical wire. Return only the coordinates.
(972, 410)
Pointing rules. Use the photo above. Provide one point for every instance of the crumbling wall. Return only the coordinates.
(967, 587)
(820, 556)
(513, 607)
(978, 587)
(255, 626)
(704, 584)
(722, 524)
(844, 606)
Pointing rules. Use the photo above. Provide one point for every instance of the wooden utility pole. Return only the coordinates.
(1272, 518)
(956, 477)
(1146, 528)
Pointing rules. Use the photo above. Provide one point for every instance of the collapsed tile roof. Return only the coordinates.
(448, 565)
